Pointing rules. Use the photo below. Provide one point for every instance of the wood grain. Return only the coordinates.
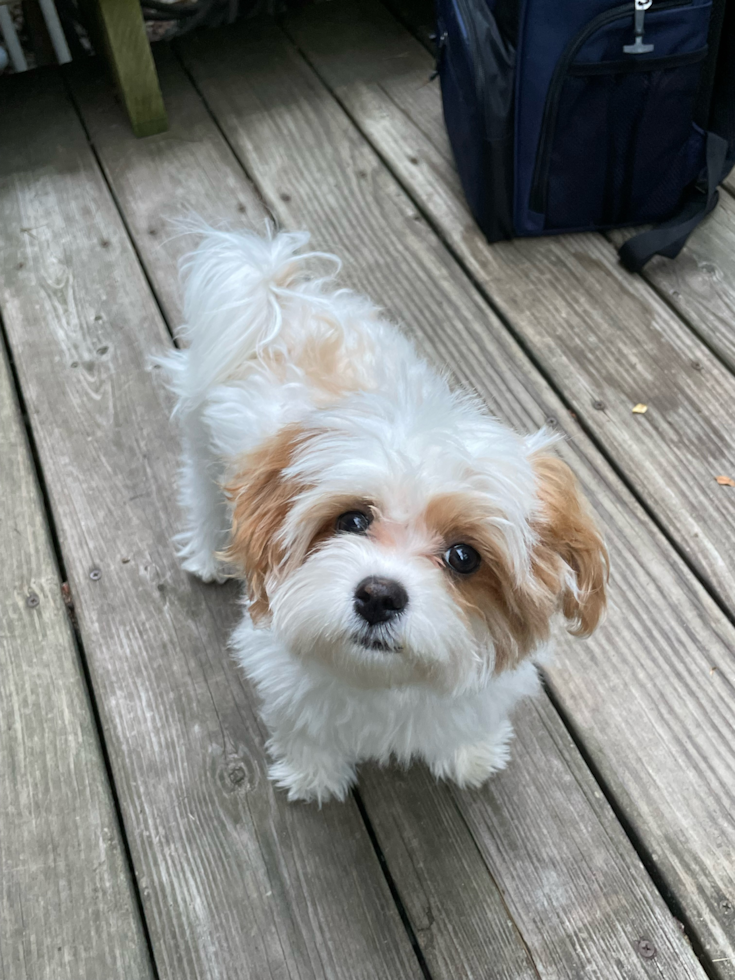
(462, 926)
(235, 882)
(700, 283)
(642, 688)
(602, 336)
(67, 909)
(569, 877)
(186, 174)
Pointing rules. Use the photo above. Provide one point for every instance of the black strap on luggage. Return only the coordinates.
(669, 237)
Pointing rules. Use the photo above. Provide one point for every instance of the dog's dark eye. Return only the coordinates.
(353, 522)
(462, 558)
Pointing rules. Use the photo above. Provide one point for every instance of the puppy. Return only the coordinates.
(404, 553)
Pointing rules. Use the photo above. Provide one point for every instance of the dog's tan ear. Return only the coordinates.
(261, 496)
(570, 552)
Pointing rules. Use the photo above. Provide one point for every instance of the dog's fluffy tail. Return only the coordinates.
(237, 285)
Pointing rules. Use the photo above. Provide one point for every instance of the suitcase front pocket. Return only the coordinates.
(617, 143)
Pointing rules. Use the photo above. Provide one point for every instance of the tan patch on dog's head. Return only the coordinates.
(320, 522)
(567, 564)
(516, 614)
(568, 534)
(261, 498)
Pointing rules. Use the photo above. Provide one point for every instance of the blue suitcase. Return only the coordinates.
(575, 115)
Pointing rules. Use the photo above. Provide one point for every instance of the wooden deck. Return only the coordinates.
(139, 836)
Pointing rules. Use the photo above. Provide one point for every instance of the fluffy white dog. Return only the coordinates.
(404, 552)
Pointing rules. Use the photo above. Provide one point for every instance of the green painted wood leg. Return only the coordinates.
(119, 24)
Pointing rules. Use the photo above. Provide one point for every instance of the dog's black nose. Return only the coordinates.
(378, 600)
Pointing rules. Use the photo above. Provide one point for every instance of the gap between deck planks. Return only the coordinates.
(652, 715)
(67, 907)
(235, 882)
(602, 336)
(700, 284)
(249, 112)
(462, 923)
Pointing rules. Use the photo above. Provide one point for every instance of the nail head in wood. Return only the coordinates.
(646, 949)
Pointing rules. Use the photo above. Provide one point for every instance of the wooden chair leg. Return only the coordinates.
(119, 23)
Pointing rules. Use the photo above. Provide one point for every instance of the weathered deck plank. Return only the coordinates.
(646, 685)
(67, 908)
(548, 839)
(163, 183)
(235, 882)
(700, 284)
(602, 336)
(459, 916)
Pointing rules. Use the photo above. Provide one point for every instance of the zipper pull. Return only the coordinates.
(641, 6)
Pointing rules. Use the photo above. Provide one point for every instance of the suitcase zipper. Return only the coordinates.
(540, 181)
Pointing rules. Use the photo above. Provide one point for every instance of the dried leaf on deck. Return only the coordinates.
(725, 481)
(640, 409)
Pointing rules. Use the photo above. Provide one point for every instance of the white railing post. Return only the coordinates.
(55, 31)
(7, 27)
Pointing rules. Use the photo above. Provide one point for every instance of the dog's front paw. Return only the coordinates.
(472, 765)
(208, 569)
(314, 781)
